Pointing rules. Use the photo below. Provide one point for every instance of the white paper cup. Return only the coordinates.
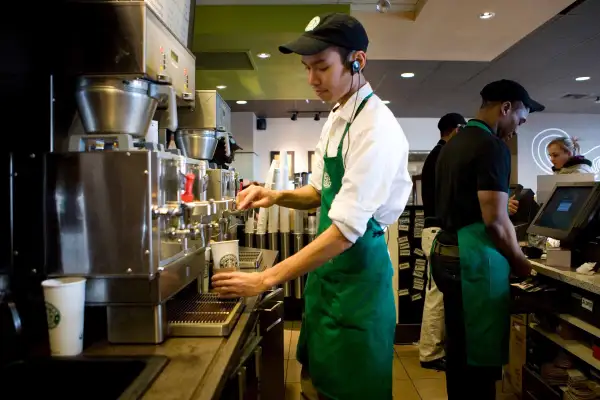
(65, 301)
(225, 256)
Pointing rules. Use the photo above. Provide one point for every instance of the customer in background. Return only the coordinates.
(431, 349)
(477, 250)
(566, 158)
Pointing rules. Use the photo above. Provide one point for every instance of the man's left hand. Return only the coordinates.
(513, 206)
(239, 284)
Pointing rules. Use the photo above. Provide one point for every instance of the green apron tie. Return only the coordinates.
(347, 336)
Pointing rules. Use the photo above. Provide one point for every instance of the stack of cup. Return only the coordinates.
(65, 303)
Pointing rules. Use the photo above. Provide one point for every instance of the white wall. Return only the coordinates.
(302, 135)
(243, 125)
(541, 128)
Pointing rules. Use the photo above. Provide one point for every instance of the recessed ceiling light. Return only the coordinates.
(386, 102)
(487, 15)
(407, 74)
(241, 102)
(582, 78)
(221, 87)
(263, 55)
(307, 101)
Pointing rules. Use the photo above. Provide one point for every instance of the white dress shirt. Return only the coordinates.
(376, 181)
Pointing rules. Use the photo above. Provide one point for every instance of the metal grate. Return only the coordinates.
(202, 315)
(250, 258)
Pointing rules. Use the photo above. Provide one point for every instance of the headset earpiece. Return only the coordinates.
(355, 67)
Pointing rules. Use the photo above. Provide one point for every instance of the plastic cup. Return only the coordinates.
(225, 256)
(65, 303)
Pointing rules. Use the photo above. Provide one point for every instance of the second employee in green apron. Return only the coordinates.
(362, 184)
(476, 251)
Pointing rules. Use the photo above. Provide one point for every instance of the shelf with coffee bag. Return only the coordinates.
(412, 274)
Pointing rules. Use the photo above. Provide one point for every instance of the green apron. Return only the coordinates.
(347, 337)
(486, 293)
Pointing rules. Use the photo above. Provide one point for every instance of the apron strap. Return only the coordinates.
(480, 125)
(349, 123)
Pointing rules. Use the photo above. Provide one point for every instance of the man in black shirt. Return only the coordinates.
(477, 250)
(431, 349)
(448, 126)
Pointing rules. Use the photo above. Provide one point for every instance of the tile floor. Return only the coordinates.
(411, 382)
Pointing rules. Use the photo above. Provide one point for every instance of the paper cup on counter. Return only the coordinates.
(225, 256)
(65, 303)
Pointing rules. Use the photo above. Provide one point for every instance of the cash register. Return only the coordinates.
(571, 215)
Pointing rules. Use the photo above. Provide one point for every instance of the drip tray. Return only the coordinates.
(250, 259)
(203, 315)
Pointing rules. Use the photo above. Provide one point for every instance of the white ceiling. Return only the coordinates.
(546, 62)
(451, 30)
(436, 30)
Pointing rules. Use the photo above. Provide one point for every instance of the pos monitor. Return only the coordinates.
(570, 213)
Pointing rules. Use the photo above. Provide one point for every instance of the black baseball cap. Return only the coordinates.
(507, 90)
(451, 121)
(324, 31)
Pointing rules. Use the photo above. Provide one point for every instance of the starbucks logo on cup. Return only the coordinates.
(228, 261)
(53, 316)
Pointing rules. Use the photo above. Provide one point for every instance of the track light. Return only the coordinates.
(317, 116)
(294, 116)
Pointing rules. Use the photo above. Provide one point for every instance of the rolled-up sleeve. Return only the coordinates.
(371, 165)
(316, 176)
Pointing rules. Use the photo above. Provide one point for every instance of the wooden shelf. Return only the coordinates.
(578, 348)
(581, 324)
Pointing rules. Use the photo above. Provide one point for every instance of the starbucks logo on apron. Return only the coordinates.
(228, 261)
(326, 181)
(52, 315)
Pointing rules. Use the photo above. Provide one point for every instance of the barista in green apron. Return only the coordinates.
(347, 338)
(470, 259)
(361, 182)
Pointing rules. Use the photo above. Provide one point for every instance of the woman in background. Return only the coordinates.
(566, 157)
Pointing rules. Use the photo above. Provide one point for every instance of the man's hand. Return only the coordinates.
(522, 267)
(239, 284)
(513, 206)
(255, 197)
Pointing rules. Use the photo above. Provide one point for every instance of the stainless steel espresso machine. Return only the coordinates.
(121, 210)
(197, 136)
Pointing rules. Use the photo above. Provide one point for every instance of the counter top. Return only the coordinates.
(591, 283)
(196, 366)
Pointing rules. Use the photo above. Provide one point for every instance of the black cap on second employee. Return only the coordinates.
(322, 32)
(507, 90)
(450, 122)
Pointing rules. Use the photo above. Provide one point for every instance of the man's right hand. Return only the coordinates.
(513, 206)
(522, 267)
(255, 197)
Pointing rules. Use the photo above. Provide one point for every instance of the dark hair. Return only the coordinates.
(345, 55)
(450, 122)
(343, 52)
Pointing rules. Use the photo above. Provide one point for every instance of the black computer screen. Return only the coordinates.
(562, 208)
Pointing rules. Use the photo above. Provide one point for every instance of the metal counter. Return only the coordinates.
(197, 367)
